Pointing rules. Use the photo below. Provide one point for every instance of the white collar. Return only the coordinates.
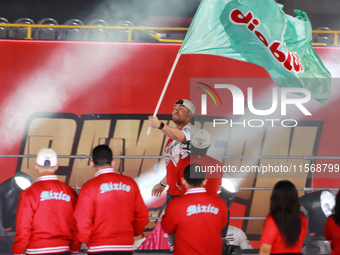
(195, 190)
(48, 177)
(104, 171)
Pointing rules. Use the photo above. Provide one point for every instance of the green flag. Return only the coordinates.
(259, 32)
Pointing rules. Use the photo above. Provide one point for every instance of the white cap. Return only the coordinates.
(201, 139)
(187, 104)
(47, 157)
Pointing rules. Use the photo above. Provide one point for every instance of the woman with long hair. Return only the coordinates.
(332, 227)
(285, 227)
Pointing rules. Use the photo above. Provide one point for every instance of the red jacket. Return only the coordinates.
(214, 179)
(271, 236)
(174, 151)
(45, 221)
(197, 220)
(332, 233)
(109, 212)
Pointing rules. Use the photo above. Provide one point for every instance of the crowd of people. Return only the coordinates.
(109, 211)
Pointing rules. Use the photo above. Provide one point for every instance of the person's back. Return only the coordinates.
(200, 143)
(271, 235)
(285, 227)
(45, 221)
(214, 179)
(116, 199)
(197, 219)
(51, 222)
(110, 209)
(332, 233)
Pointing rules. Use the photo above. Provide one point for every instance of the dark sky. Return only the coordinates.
(323, 13)
(112, 11)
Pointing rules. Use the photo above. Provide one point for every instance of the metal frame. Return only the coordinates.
(79, 156)
(152, 31)
(82, 156)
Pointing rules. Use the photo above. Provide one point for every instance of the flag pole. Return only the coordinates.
(164, 89)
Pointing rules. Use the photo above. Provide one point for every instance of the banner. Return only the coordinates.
(259, 32)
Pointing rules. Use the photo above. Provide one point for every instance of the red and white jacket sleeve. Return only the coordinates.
(24, 219)
(169, 221)
(84, 214)
(141, 214)
(75, 243)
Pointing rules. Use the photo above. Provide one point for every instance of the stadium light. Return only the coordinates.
(317, 206)
(228, 190)
(9, 198)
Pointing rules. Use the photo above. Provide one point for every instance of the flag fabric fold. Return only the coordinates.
(260, 32)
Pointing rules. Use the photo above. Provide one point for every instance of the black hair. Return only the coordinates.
(192, 121)
(179, 102)
(336, 210)
(102, 155)
(192, 176)
(285, 210)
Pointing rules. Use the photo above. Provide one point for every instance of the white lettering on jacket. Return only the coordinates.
(106, 187)
(195, 209)
(49, 195)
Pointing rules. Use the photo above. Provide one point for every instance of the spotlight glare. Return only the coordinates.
(327, 202)
(230, 185)
(22, 182)
(317, 205)
(147, 181)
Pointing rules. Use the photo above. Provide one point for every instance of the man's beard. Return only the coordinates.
(178, 121)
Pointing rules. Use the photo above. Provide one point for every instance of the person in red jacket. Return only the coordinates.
(285, 227)
(200, 143)
(332, 227)
(196, 218)
(175, 149)
(176, 146)
(110, 210)
(45, 223)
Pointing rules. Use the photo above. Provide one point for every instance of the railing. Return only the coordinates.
(335, 39)
(148, 30)
(83, 156)
(152, 31)
(305, 189)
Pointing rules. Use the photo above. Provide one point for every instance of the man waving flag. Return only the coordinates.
(259, 32)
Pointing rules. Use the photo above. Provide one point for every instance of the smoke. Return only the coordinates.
(148, 180)
(68, 73)
(138, 12)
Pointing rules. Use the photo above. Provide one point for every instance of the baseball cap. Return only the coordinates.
(187, 104)
(201, 139)
(47, 157)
